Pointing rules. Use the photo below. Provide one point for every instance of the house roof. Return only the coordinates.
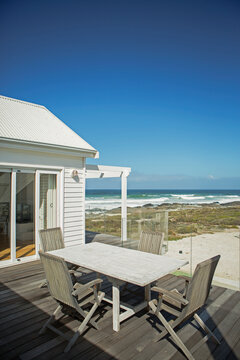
(22, 121)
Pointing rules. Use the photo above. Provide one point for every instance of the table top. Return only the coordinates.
(132, 266)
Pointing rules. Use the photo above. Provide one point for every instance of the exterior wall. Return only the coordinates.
(72, 190)
(74, 207)
(36, 158)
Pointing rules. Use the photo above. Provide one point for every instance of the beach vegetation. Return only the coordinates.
(183, 220)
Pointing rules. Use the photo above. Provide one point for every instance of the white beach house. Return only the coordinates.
(42, 179)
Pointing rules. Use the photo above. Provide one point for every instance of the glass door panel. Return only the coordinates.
(48, 201)
(25, 214)
(5, 216)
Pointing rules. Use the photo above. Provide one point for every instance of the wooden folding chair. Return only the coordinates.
(185, 306)
(151, 242)
(72, 299)
(52, 239)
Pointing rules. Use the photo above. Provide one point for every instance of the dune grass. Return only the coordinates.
(184, 220)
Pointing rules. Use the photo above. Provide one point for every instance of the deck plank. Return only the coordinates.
(24, 307)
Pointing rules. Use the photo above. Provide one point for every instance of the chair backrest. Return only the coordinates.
(58, 279)
(200, 285)
(51, 239)
(151, 242)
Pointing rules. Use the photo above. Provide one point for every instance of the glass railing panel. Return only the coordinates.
(94, 222)
(103, 225)
(218, 234)
(197, 233)
(146, 220)
(191, 232)
(112, 223)
(180, 229)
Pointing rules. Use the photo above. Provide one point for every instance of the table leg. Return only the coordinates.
(116, 305)
(98, 276)
(148, 294)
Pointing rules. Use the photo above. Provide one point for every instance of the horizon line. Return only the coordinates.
(175, 189)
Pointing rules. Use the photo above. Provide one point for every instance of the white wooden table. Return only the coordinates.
(121, 265)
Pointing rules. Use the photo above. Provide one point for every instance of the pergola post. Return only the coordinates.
(100, 171)
(124, 205)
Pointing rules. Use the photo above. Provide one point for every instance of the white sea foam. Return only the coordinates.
(189, 197)
(180, 195)
(115, 202)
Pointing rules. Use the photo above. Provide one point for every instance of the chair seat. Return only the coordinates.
(84, 270)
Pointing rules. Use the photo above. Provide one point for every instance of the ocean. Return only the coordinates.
(110, 199)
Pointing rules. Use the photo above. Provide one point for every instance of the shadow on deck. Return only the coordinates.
(24, 307)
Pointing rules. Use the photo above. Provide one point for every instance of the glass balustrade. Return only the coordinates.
(193, 233)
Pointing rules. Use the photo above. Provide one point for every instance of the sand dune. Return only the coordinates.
(226, 243)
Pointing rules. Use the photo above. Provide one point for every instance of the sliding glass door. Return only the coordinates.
(25, 214)
(5, 215)
(48, 209)
(29, 201)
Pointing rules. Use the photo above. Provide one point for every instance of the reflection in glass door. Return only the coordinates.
(5, 215)
(25, 214)
(48, 201)
(26, 195)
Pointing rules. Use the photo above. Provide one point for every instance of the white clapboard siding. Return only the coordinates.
(70, 232)
(70, 209)
(72, 243)
(72, 219)
(72, 194)
(70, 225)
(72, 238)
(74, 189)
(74, 207)
(74, 198)
(71, 197)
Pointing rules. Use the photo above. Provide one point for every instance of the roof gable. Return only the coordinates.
(24, 121)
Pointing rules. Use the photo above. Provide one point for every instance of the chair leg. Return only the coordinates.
(94, 324)
(170, 330)
(50, 320)
(206, 328)
(82, 326)
(177, 340)
(154, 309)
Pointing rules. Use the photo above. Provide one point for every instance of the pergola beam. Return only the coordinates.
(101, 171)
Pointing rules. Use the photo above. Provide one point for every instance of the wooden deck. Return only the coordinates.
(24, 307)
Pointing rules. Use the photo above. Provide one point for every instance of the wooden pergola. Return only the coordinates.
(100, 171)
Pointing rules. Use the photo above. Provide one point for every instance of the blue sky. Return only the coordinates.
(153, 85)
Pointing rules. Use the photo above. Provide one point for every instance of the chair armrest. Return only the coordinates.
(71, 271)
(81, 288)
(170, 294)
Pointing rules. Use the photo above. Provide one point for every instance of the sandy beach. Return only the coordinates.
(226, 243)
